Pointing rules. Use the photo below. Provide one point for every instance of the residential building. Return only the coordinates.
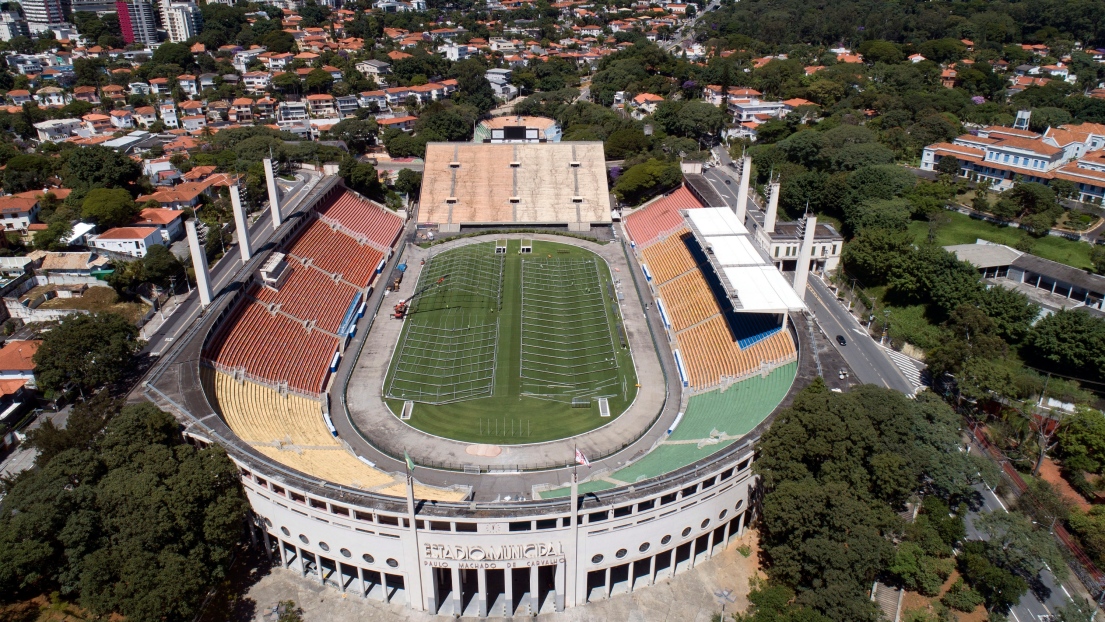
(51, 96)
(167, 111)
(41, 14)
(188, 84)
(145, 116)
(374, 68)
(257, 81)
(122, 119)
(97, 123)
(322, 105)
(169, 222)
(347, 105)
(194, 123)
(18, 212)
(137, 21)
(57, 130)
(12, 25)
(182, 20)
(132, 241)
(17, 365)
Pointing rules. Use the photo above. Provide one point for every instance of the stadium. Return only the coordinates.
(509, 369)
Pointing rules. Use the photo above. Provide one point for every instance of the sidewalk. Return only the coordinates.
(171, 305)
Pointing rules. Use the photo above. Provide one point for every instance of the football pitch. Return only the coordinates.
(510, 348)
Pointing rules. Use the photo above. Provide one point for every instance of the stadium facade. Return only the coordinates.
(264, 374)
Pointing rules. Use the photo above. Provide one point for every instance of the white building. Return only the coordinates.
(12, 25)
(182, 20)
(41, 14)
(57, 130)
(132, 241)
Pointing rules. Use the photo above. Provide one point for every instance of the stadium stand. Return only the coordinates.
(683, 297)
(273, 348)
(334, 252)
(290, 430)
(363, 218)
(659, 217)
(711, 354)
(310, 295)
(669, 258)
(733, 412)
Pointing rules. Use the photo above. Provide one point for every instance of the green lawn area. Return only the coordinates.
(477, 373)
(963, 229)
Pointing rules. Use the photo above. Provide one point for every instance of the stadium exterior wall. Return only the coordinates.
(621, 543)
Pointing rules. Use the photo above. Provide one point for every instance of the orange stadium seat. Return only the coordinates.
(363, 217)
(669, 259)
(645, 225)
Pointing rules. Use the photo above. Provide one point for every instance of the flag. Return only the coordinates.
(582, 459)
(410, 463)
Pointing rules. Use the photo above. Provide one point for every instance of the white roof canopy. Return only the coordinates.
(748, 275)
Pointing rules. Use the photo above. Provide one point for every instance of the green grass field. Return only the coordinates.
(963, 229)
(499, 345)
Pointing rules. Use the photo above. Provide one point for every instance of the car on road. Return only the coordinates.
(841, 340)
(728, 182)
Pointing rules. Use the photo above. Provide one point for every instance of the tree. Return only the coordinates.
(129, 520)
(948, 165)
(1069, 340)
(625, 142)
(96, 166)
(90, 350)
(278, 42)
(109, 207)
(27, 172)
(892, 214)
(646, 179)
(472, 86)
(1011, 311)
(408, 182)
(1016, 545)
(873, 250)
(53, 237)
(319, 81)
(1082, 443)
(361, 176)
(999, 587)
(174, 54)
(160, 266)
(834, 460)
(1097, 258)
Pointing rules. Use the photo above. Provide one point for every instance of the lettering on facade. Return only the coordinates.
(460, 552)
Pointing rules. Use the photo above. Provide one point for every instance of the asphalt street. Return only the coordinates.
(259, 234)
(1032, 606)
(868, 361)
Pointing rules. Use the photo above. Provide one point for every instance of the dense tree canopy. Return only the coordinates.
(89, 350)
(835, 469)
(121, 515)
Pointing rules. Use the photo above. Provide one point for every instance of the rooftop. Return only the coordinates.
(538, 183)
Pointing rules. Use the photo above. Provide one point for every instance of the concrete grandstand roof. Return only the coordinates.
(514, 183)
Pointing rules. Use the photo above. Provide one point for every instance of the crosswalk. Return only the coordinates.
(911, 368)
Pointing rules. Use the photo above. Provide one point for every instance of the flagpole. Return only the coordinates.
(416, 572)
(573, 583)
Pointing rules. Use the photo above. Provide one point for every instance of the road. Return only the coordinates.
(680, 35)
(222, 272)
(868, 362)
(1032, 607)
